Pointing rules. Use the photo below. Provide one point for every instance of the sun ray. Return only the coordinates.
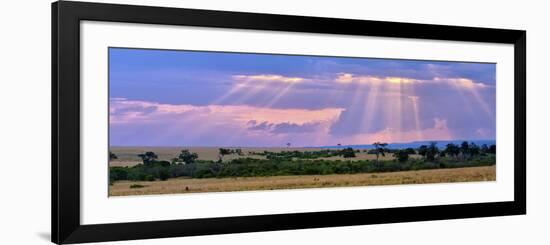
(398, 110)
(467, 102)
(481, 102)
(414, 102)
(250, 87)
(472, 87)
(278, 94)
(370, 105)
(234, 89)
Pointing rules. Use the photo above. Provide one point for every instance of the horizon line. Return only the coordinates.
(282, 146)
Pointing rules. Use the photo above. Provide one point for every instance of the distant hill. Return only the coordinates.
(414, 144)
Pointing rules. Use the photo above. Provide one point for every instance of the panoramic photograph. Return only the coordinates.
(203, 121)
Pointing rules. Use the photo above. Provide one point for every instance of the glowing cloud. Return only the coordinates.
(350, 78)
(222, 124)
(461, 83)
(128, 112)
(346, 78)
(268, 78)
(439, 131)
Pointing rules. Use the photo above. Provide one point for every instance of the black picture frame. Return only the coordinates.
(66, 17)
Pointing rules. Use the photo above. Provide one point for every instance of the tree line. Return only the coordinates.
(186, 163)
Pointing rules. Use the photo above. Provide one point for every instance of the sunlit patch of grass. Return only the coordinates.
(189, 185)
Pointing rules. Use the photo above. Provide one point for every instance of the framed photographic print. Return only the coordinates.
(177, 122)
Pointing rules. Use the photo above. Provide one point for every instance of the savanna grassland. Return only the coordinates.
(189, 185)
(163, 170)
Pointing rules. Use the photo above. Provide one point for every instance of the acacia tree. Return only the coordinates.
(423, 150)
(432, 151)
(380, 149)
(348, 153)
(484, 149)
(474, 149)
(148, 157)
(410, 151)
(187, 157)
(402, 155)
(223, 152)
(464, 149)
(239, 152)
(112, 156)
(452, 150)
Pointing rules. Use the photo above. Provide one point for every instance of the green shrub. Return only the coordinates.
(402, 155)
(247, 167)
(118, 173)
(164, 174)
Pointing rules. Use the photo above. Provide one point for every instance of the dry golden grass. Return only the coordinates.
(182, 185)
(127, 156)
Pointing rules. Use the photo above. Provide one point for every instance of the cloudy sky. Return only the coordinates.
(185, 98)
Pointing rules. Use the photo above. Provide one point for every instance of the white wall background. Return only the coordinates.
(25, 124)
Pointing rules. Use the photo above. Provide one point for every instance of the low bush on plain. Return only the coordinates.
(249, 167)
